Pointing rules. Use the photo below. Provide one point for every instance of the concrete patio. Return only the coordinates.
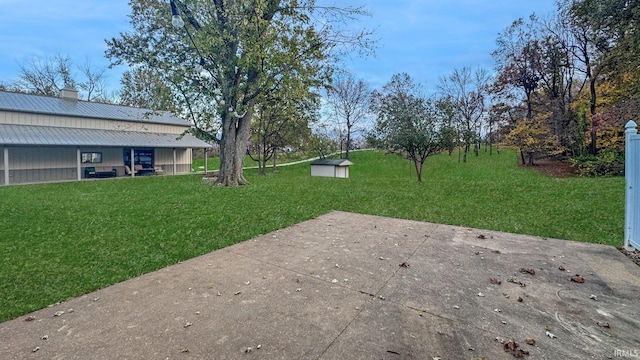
(351, 286)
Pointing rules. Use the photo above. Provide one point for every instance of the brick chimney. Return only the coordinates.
(69, 93)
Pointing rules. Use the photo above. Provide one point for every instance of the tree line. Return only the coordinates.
(256, 76)
(564, 85)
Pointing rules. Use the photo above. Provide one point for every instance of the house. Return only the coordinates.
(332, 168)
(50, 139)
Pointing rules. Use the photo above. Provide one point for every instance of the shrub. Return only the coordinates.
(606, 164)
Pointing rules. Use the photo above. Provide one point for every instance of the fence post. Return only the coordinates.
(630, 172)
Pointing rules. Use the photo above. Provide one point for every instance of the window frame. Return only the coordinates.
(91, 157)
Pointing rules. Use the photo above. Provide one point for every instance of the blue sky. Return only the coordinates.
(425, 38)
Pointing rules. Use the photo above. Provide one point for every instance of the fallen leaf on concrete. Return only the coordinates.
(604, 324)
(513, 280)
(59, 313)
(495, 281)
(527, 271)
(184, 349)
(404, 264)
(577, 278)
(481, 236)
(187, 324)
(513, 348)
(30, 318)
(530, 341)
(561, 268)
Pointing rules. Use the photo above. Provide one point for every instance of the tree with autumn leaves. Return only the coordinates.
(533, 136)
(577, 70)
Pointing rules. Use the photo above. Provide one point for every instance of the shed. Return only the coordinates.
(331, 168)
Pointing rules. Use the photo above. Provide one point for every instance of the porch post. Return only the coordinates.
(132, 163)
(6, 165)
(630, 175)
(78, 163)
(175, 169)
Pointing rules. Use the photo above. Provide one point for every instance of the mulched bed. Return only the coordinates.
(553, 167)
(633, 255)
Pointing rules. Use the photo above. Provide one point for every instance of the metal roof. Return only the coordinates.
(332, 162)
(59, 136)
(27, 103)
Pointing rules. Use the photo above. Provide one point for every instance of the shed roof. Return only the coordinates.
(28, 103)
(59, 136)
(332, 162)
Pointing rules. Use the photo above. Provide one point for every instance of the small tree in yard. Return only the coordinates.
(406, 122)
(533, 136)
(348, 99)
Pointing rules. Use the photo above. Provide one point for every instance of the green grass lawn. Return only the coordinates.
(62, 240)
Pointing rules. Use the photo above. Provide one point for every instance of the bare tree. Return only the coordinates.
(467, 91)
(94, 83)
(45, 75)
(349, 102)
(48, 75)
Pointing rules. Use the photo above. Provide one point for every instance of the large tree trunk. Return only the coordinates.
(233, 149)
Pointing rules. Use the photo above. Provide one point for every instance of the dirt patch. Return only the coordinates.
(554, 168)
(633, 255)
